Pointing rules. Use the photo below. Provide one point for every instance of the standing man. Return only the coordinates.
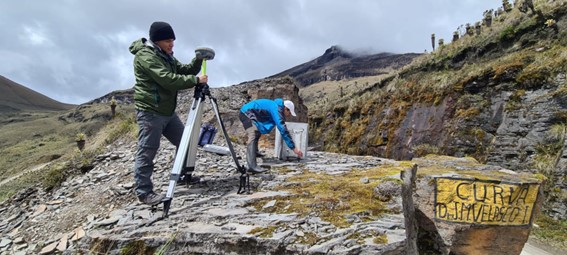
(159, 76)
(259, 117)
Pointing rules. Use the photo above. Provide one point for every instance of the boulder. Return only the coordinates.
(463, 207)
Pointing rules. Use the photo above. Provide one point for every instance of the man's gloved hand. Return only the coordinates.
(204, 53)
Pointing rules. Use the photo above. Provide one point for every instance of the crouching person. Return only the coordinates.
(260, 117)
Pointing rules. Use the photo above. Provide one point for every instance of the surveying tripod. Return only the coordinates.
(187, 151)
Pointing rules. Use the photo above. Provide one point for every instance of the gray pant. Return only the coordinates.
(251, 130)
(152, 126)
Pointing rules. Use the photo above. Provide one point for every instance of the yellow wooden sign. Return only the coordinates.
(484, 202)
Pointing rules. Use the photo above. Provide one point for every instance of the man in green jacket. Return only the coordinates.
(159, 76)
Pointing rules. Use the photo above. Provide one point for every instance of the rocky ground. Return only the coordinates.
(97, 212)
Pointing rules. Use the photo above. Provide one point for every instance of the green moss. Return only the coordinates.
(507, 69)
(467, 113)
(137, 247)
(466, 167)
(548, 151)
(534, 77)
(54, 176)
(308, 238)
(266, 232)
(380, 239)
(551, 231)
(561, 116)
(540, 177)
(515, 100)
(101, 246)
(425, 149)
(331, 197)
(507, 34)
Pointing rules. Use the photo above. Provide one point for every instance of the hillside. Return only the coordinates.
(496, 94)
(15, 97)
(338, 64)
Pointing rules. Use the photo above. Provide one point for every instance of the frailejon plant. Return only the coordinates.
(80, 139)
(113, 106)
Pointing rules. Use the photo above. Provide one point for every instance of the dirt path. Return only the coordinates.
(535, 247)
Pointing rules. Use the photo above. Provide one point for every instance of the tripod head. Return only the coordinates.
(201, 91)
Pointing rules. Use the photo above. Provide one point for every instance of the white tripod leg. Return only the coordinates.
(187, 149)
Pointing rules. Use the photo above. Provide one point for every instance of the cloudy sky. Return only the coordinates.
(77, 50)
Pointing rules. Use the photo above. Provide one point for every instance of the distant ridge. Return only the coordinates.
(16, 97)
(338, 64)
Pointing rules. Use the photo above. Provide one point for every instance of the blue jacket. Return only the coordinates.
(266, 114)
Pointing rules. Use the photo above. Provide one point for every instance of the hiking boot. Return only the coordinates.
(251, 160)
(150, 198)
(256, 170)
(188, 179)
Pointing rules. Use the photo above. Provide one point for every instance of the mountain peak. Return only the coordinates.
(337, 63)
(335, 49)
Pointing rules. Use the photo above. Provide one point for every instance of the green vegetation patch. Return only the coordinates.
(380, 239)
(551, 231)
(101, 246)
(331, 197)
(123, 125)
(136, 247)
(40, 147)
(308, 238)
(468, 167)
(264, 232)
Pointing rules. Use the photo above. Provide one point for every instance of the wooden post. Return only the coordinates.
(408, 185)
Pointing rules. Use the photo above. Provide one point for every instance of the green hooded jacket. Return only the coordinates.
(159, 76)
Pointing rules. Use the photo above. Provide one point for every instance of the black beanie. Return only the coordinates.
(161, 31)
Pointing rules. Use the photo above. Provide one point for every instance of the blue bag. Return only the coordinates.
(207, 134)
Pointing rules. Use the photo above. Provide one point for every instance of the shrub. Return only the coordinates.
(507, 34)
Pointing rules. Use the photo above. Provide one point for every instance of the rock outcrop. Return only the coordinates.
(462, 207)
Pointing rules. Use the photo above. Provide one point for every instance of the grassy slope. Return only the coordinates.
(40, 144)
(321, 93)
